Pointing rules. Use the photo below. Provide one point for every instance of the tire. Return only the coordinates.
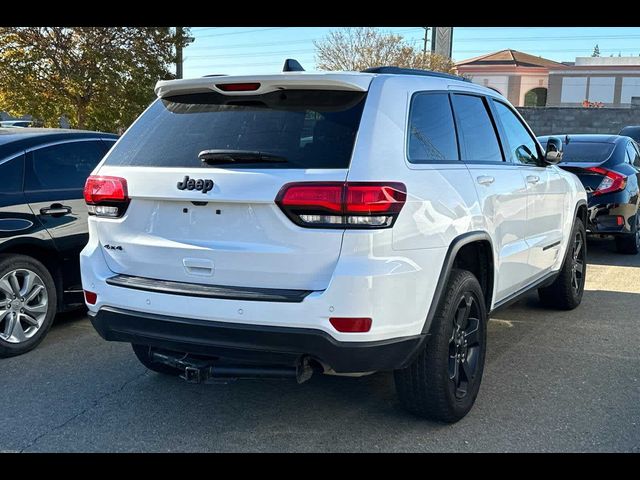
(142, 352)
(630, 244)
(430, 387)
(565, 293)
(28, 307)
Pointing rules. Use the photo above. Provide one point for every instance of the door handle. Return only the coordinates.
(55, 210)
(485, 180)
(533, 179)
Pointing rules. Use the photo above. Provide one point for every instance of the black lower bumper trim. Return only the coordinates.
(253, 343)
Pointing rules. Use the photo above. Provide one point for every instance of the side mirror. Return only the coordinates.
(553, 154)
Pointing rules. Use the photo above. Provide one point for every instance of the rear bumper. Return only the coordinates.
(253, 343)
(612, 218)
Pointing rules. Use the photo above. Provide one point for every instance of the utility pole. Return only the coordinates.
(181, 41)
(426, 39)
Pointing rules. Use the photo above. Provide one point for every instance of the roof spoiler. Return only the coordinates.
(412, 71)
(291, 65)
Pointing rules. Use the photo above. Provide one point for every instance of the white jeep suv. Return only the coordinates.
(344, 223)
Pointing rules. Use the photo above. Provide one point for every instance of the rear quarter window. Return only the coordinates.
(11, 174)
(308, 128)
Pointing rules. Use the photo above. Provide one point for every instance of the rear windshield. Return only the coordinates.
(304, 128)
(586, 152)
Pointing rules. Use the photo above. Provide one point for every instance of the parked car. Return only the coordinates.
(15, 123)
(224, 242)
(632, 131)
(43, 227)
(609, 168)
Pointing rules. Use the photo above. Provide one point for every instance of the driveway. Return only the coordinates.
(554, 381)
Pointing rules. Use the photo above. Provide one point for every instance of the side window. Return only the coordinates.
(632, 155)
(11, 173)
(521, 145)
(432, 133)
(477, 134)
(62, 166)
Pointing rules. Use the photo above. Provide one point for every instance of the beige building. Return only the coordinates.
(519, 76)
(608, 81)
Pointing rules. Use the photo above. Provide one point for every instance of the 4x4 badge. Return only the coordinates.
(191, 184)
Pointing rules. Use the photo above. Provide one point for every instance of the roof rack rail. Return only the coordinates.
(412, 71)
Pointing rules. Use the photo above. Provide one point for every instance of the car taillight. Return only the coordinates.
(106, 196)
(612, 181)
(342, 204)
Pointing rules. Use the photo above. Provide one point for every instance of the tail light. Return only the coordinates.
(342, 205)
(612, 181)
(106, 196)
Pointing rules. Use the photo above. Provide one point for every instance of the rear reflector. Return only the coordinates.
(90, 297)
(342, 205)
(351, 325)
(238, 87)
(106, 196)
(612, 181)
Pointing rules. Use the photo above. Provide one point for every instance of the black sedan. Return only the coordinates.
(609, 168)
(43, 227)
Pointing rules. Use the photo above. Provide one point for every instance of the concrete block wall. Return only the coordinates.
(557, 120)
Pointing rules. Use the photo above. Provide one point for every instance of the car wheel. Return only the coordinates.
(27, 303)
(143, 354)
(630, 244)
(566, 291)
(443, 380)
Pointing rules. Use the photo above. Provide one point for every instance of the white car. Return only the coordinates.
(343, 223)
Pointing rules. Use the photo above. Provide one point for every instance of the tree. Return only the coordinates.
(596, 51)
(363, 47)
(99, 78)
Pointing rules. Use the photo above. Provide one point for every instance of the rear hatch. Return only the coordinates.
(210, 218)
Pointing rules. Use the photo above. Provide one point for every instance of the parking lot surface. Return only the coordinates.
(554, 381)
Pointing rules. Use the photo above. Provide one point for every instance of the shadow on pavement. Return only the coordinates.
(602, 251)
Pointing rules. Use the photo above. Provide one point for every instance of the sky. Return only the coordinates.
(260, 50)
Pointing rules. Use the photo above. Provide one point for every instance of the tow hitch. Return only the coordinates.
(198, 370)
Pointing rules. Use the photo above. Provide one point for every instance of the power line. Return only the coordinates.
(283, 42)
(253, 45)
(242, 32)
(255, 54)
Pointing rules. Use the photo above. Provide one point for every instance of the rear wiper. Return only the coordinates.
(239, 156)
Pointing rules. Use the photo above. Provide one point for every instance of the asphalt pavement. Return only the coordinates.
(553, 381)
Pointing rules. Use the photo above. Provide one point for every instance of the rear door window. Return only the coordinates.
(62, 166)
(304, 128)
(476, 131)
(432, 133)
